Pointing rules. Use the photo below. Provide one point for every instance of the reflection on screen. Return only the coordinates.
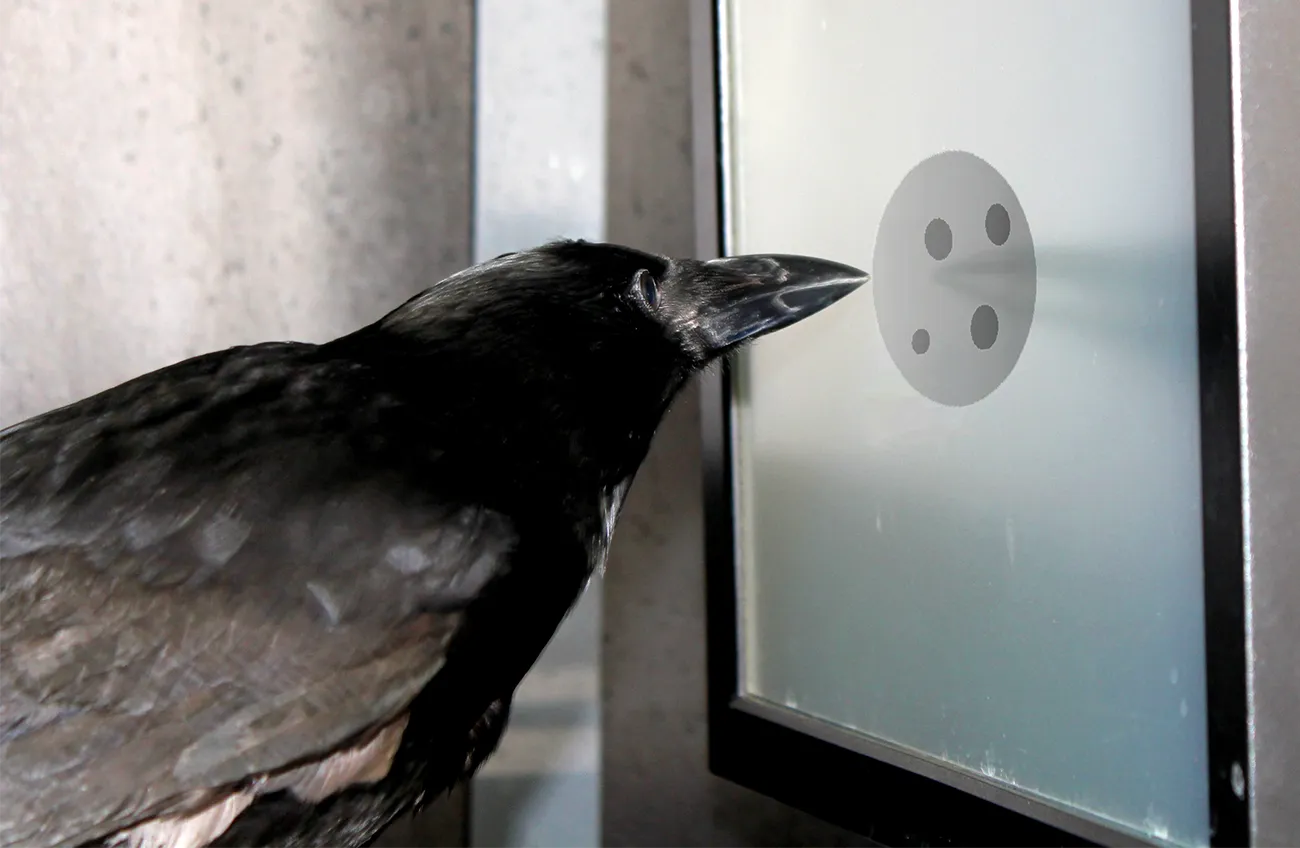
(970, 497)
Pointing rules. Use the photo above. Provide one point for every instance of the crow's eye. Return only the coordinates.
(646, 288)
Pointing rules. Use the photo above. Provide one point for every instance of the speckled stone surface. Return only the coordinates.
(180, 177)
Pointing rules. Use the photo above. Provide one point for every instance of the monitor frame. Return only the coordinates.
(822, 768)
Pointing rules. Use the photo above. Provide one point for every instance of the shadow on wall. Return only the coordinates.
(657, 788)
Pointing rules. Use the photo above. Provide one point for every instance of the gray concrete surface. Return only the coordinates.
(657, 786)
(180, 177)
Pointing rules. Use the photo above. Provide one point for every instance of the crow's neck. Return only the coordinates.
(528, 424)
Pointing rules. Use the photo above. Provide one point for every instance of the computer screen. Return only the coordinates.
(968, 498)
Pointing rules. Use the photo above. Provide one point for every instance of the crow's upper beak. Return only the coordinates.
(768, 292)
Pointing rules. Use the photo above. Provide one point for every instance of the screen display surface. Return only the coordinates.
(968, 496)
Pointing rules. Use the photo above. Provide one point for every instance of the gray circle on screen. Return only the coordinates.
(954, 278)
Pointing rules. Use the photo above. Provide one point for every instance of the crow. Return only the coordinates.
(282, 593)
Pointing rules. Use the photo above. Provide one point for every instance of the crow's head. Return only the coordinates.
(592, 341)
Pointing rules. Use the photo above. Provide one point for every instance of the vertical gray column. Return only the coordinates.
(1267, 42)
(177, 178)
(539, 175)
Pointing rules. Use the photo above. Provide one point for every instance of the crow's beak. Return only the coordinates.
(765, 293)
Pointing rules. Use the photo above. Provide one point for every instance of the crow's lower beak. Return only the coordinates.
(765, 293)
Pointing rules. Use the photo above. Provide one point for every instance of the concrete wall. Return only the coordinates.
(657, 786)
(180, 177)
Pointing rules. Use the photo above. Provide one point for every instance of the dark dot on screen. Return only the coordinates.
(938, 238)
(984, 327)
(997, 224)
(920, 341)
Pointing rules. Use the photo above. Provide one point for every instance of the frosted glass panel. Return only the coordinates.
(969, 495)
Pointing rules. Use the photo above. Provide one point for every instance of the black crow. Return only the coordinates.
(280, 594)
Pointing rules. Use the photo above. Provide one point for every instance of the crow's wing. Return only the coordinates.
(212, 572)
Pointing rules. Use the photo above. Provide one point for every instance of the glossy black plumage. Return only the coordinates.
(218, 574)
